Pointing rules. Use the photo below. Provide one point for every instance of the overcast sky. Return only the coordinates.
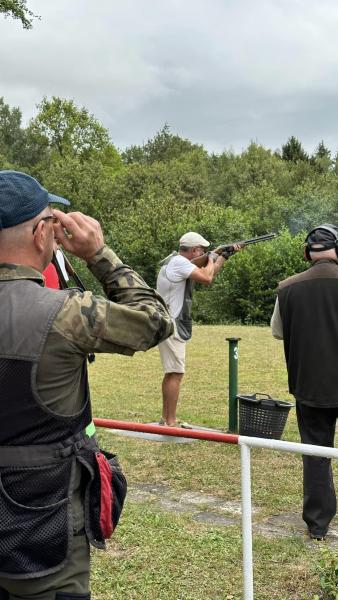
(220, 72)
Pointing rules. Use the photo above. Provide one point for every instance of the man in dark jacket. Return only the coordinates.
(306, 318)
(55, 494)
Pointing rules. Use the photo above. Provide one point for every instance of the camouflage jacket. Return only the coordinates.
(134, 317)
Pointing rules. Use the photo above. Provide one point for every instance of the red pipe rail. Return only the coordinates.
(198, 434)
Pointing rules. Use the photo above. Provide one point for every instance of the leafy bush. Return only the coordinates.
(245, 289)
(145, 233)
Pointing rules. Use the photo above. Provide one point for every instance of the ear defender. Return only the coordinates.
(307, 253)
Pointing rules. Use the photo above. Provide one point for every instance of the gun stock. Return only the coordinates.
(64, 284)
(201, 261)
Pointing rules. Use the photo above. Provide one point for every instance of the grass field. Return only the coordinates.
(165, 555)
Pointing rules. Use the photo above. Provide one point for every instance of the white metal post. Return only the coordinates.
(246, 523)
(245, 444)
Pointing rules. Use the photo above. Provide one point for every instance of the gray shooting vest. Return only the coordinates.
(183, 322)
(39, 449)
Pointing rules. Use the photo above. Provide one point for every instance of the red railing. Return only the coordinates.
(198, 434)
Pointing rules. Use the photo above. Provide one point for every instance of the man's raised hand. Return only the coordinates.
(79, 234)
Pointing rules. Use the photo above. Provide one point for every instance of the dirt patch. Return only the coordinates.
(176, 505)
(292, 524)
(214, 511)
(211, 518)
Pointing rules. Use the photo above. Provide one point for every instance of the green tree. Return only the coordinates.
(4, 164)
(313, 201)
(293, 150)
(322, 151)
(265, 209)
(245, 289)
(17, 9)
(150, 229)
(163, 147)
(12, 135)
(321, 159)
(231, 175)
(87, 184)
(67, 130)
(185, 179)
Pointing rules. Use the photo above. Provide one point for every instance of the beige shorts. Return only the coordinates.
(172, 352)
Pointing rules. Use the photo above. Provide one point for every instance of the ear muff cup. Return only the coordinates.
(307, 253)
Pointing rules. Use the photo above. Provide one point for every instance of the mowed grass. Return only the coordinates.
(156, 554)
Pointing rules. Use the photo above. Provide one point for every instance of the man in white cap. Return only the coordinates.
(175, 284)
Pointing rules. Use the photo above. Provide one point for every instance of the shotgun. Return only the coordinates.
(227, 250)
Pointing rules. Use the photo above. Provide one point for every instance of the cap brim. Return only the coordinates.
(58, 200)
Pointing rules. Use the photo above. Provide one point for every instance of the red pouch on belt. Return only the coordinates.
(106, 523)
(113, 491)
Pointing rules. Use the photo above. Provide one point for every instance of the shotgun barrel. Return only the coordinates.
(228, 249)
(259, 238)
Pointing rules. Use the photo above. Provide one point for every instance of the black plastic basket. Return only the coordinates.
(262, 417)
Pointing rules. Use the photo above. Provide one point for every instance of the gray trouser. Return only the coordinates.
(71, 583)
(317, 426)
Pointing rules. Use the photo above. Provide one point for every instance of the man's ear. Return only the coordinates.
(39, 237)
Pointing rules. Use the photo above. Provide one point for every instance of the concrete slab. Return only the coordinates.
(154, 437)
(211, 518)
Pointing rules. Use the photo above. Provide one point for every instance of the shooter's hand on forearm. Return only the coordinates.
(79, 234)
(209, 267)
(230, 250)
(221, 258)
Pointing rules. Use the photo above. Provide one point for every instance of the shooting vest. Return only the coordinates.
(39, 450)
(183, 322)
(308, 305)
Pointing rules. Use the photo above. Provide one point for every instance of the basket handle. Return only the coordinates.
(268, 402)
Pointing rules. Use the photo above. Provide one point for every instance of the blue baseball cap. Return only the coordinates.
(22, 197)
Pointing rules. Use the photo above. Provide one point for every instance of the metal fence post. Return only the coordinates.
(233, 383)
(246, 523)
(245, 443)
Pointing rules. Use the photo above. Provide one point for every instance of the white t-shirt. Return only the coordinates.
(171, 283)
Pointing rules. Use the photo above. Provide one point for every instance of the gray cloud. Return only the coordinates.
(221, 73)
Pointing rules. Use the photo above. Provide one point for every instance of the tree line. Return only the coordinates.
(147, 196)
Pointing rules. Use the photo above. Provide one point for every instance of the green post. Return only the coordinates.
(233, 383)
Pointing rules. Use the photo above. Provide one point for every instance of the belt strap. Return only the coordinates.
(40, 455)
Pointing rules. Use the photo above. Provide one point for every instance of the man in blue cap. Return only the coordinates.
(58, 492)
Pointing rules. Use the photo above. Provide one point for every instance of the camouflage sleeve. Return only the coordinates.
(133, 318)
